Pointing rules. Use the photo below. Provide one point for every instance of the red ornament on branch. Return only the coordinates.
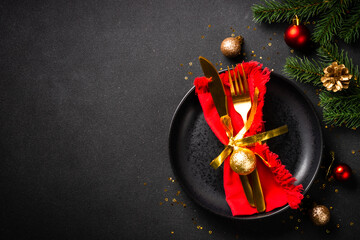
(297, 36)
(342, 172)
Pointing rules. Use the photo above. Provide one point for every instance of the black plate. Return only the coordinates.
(192, 144)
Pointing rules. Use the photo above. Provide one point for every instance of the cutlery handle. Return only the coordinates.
(247, 189)
(257, 191)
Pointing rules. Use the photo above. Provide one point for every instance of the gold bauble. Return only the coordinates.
(231, 46)
(242, 161)
(320, 215)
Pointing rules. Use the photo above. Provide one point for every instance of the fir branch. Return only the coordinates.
(340, 109)
(304, 70)
(350, 30)
(330, 53)
(330, 22)
(274, 11)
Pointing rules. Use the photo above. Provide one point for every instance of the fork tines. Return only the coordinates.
(238, 84)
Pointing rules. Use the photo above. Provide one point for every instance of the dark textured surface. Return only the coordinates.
(193, 145)
(87, 93)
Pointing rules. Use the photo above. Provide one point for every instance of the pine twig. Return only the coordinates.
(274, 11)
(304, 70)
(350, 30)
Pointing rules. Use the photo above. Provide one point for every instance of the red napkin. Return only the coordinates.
(277, 182)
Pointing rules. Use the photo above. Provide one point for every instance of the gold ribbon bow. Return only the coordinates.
(237, 142)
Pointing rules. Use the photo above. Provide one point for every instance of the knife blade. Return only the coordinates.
(217, 91)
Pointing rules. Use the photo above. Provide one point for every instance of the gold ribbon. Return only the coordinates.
(237, 141)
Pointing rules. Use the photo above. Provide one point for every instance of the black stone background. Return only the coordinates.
(87, 93)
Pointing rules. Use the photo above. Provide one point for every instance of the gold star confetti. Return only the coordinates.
(209, 25)
(254, 28)
(186, 78)
(269, 44)
(160, 203)
(202, 37)
(260, 57)
(210, 232)
(174, 200)
(181, 64)
(178, 193)
(351, 224)
(296, 228)
(292, 50)
(190, 63)
(190, 73)
(252, 51)
(331, 207)
(145, 183)
(353, 151)
(184, 205)
(274, 34)
(248, 27)
(220, 64)
(268, 58)
(169, 178)
(166, 199)
(336, 190)
(338, 225)
(299, 220)
(327, 231)
(263, 48)
(244, 54)
(308, 196)
(172, 232)
(165, 190)
(233, 35)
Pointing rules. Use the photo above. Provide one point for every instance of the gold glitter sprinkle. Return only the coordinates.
(170, 178)
(181, 64)
(274, 34)
(351, 223)
(338, 225)
(336, 190)
(296, 228)
(220, 64)
(327, 231)
(145, 183)
(186, 78)
(190, 73)
(202, 37)
(165, 190)
(254, 55)
(292, 50)
(291, 217)
(190, 63)
(166, 199)
(268, 58)
(248, 27)
(269, 44)
(233, 30)
(353, 151)
(252, 51)
(260, 57)
(221, 69)
(210, 232)
(184, 205)
(216, 64)
(174, 200)
(326, 126)
(331, 207)
(178, 193)
(299, 220)
(209, 25)
(244, 54)
(172, 232)
(160, 203)
(254, 28)
(308, 196)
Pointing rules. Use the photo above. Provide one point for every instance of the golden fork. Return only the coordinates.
(242, 103)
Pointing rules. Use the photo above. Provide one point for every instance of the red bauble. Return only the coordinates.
(342, 172)
(297, 36)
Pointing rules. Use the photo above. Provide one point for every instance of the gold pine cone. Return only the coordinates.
(336, 77)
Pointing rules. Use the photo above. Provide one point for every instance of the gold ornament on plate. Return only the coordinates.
(242, 161)
(336, 77)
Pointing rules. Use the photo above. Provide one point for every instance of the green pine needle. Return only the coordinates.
(341, 109)
(304, 70)
(284, 11)
(350, 30)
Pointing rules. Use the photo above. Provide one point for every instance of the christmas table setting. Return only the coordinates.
(180, 119)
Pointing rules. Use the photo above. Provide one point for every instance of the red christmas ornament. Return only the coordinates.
(297, 36)
(342, 172)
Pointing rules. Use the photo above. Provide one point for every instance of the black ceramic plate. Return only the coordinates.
(192, 144)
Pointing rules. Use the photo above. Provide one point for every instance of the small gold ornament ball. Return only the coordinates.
(320, 215)
(231, 46)
(242, 161)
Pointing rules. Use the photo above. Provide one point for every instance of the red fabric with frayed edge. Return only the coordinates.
(277, 182)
